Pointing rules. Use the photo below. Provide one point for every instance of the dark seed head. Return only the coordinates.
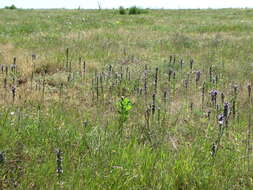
(198, 74)
(249, 90)
(33, 57)
(222, 98)
(2, 157)
(209, 114)
(226, 110)
(214, 94)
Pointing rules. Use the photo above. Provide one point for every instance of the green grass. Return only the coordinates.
(59, 106)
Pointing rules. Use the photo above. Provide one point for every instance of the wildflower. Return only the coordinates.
(221, 119)
(214, 94)
(198, 74)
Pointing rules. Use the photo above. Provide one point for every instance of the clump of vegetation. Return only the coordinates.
(10, 7)
(122, 10)
(131, 11)
(134, 10)
(124, 106)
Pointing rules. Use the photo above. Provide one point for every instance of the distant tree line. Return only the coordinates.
(10, 7)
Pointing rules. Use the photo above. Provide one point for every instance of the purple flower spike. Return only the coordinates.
(221, 119)
(198, 74)
(214, 94)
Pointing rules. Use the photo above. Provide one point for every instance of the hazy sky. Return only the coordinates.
(173, 4)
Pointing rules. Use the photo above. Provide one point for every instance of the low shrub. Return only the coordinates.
(10, 7)
(134, 10)
(122, 10)
(131, 11)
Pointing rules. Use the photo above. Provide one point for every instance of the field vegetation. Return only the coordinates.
(96, 99)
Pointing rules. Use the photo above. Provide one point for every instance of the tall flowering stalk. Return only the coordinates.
(249, 150)
(214, 94)
(223, 122)
(59, 159)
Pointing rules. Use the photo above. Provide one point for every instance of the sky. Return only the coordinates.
(93, 4)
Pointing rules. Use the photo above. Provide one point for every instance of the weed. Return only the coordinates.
(124, 106)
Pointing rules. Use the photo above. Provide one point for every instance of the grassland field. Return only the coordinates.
(91, 99)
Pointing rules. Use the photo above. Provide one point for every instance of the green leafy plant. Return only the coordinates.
(124, 106)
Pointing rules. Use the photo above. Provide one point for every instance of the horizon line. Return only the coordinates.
(79, 8)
